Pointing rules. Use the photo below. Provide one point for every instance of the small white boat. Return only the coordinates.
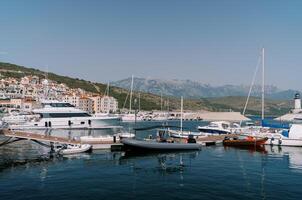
(92, 139)
(184, 134)
(125, 135)
(72, 149)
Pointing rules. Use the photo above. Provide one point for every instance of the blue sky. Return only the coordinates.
(216, 42)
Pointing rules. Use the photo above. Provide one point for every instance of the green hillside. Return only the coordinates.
(151, 101)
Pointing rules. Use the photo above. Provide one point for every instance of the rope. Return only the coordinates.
(251, 87)
(41, 143)
(125, 100)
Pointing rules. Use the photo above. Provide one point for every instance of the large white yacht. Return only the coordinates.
(61, 115)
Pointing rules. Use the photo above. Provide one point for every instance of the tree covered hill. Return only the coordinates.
(151, 101)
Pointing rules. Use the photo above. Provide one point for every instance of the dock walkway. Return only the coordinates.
(54, 139)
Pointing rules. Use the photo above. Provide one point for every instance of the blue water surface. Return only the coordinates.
(216, 172)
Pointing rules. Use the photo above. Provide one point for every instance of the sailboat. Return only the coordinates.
(131, 117)
(280, 137)
(181, 133)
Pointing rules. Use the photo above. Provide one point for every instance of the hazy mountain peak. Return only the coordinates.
(196, 89)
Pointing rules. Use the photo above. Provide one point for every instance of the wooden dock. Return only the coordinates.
(55, 139)
(207, 141)
(212, 139)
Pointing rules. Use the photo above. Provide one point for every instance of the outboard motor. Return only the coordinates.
(191, 139)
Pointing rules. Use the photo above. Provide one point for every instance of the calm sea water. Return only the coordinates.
(27, 172)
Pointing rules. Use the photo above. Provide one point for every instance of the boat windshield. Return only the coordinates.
(63, 115)
(225, 126)
(58, 104)
(213, 125)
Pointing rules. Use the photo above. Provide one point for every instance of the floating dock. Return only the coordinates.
(212, 139)
(54, 139)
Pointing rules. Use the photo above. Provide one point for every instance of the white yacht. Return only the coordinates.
(218, 127)
(291, 137)
(61, 115)
(17, 117)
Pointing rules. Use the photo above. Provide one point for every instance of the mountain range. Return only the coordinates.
(196, 90)
(212, 98)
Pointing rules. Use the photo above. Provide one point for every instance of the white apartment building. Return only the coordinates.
(73, 99)
(96, 103)
(86, 104)
(109, 104)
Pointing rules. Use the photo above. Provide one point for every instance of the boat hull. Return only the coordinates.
(70, 123)
(284, 142)
(82, 149)
(133, 144)
(257, 142)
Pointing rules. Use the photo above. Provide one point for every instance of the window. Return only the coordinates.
(63, 115)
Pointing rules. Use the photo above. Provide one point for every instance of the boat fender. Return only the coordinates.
(271, 140)
(114, 139)
(280, 141)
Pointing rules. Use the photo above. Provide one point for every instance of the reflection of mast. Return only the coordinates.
(263, 195)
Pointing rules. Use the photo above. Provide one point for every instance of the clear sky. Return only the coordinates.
(216, 42)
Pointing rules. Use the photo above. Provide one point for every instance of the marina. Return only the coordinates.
(150, 100)
(255, 174)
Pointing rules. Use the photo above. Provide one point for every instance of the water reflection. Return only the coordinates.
(292, 154)
(250, 149)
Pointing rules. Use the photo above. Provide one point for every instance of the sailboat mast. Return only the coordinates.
(181, 112)
(130, 101)
(161, 101)
(139, 101)
(107, 90)
(262, 109)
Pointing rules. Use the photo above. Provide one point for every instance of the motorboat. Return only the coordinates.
(243, 140)
(153, 145)
(218, 127)
(184, 134)
(163, 142)
(18, 117)
(291, 137)
(61, 115)
(67, 149)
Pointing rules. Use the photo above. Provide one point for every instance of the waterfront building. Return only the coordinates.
(73, 99)
(109, 104)
(86, 104)
(96, 103)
